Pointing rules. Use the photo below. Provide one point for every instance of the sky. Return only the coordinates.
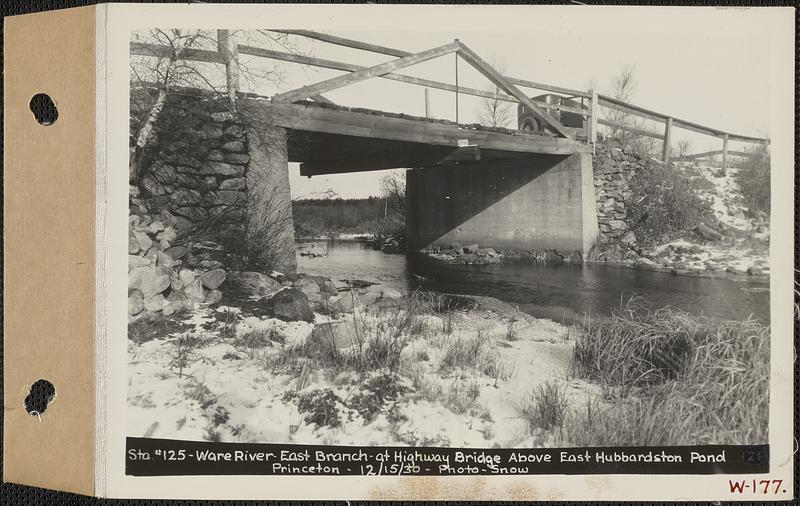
(710, 67)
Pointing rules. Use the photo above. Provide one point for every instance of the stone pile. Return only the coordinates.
(314, 250)
(471, 254)
(166, 278)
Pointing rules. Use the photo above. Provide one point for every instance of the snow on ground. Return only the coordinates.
(745, 246)
(220, 379)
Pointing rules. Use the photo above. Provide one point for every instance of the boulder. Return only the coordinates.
(628, 238)
(186, 276)
(178, 300)
(167, 235)
(155, 303)
(152, 255)
(212, 279)
(175, 282)
(177, 252)
(471, 248)
(213, 297)
(233, 147)
(135, 302)
(235, 183)
(251, 284)
(344, 303)
(181, 161)
(646, 264)
(144, 240)
(314, 250)
(754, 271)
(209, 132)
(342, 334)
(237, 158)
(137, 261)
(154, 227)
(291, 304)
(221, 169)
(162, 173)
(328, 288)
(153, 187)
(707, 232)
(387, 293)
(310, 288)
(487, 252)
(150, 280)
(185, 197)
(194, 291)
(234, 132)
(133, 243)
(215, 155)
(167, 218)
(164, 260)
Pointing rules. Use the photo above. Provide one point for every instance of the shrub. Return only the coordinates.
(376, 341)
(320, 406)
(377, 390)
(663, 202)
(439, 303)
(202, 394)
(545, 407)
(156, 325)
(753, 177)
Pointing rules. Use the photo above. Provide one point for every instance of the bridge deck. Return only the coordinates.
(330, 139)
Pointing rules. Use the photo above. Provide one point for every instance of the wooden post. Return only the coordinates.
(593, 109)
(724, 153)
(229, 50)
(667, 132)
(427, 104)
(456, 58)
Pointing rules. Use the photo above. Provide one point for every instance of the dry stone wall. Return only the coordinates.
(613, 170)
(196, 169)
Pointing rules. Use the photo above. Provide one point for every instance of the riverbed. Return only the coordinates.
(560, 292)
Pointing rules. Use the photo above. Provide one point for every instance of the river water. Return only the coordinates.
(562, 292)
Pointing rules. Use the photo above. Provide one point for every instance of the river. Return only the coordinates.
(562, 292)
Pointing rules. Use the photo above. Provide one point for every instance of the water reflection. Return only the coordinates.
(561, 292)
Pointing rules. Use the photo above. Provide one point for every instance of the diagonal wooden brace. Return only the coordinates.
(360, 75)
(503, 83)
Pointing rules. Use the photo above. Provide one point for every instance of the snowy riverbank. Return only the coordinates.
(439, 371)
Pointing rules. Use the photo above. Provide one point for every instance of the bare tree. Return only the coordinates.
(492, 111)
(393, 188)
(165, 74)
(623, 88)
(684, 147)
(170, 92)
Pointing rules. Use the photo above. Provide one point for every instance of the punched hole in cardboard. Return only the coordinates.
(43, 109)
(40, 396)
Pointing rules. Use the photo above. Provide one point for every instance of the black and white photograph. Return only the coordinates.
(488, 239)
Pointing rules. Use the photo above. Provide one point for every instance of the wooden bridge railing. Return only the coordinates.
(228, 52)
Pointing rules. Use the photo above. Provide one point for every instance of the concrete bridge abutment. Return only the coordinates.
(536, 204)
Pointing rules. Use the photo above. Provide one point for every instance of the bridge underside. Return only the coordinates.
(492, 187)
(329, 139)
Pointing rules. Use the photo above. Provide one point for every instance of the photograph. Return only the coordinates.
(481, 239)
